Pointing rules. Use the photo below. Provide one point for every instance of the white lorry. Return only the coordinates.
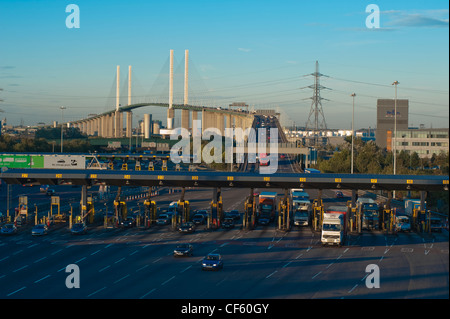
(333, 226)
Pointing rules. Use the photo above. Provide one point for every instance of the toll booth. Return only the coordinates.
(137, 166)
(284, 208)
(216, 205)
(89, 218)
(183, 210)
(419, 220)
(150, 166)
(120, 211)
(317, 211)
(58, 217)
(388, 219)
(249, 218)
(21, 212)
(149, 215)
(354, 216)
(164, 165)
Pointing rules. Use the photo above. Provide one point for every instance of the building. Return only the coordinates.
(386, 120)
(425, 142)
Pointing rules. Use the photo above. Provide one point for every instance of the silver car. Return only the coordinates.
(39, 230)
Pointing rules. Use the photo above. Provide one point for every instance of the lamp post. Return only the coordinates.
(353, 131)
(394, 148)
(62, 125)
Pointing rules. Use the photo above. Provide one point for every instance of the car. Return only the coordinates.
(228, 223)
(128, 222)
(339, 194)
(8, 229)
(51, 192)
(203, 212)
(39, 230)
(212, 262)
(163, 219)
(198, 219)
(78, 228)
(188, 227)
(183, 250)
(233, 214)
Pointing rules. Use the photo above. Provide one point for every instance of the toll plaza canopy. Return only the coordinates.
(91, 177)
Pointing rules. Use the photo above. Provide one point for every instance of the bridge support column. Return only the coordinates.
(219, 118)
(110, 124)
(194, 117)
(129, 124)
(170, 118)
(185, 119)
(103, 126)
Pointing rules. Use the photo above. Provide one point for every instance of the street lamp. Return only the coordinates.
(353, 131)
(394, 150)
(62, 125)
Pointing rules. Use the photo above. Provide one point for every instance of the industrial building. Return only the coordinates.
(386, 120)
(425, 142)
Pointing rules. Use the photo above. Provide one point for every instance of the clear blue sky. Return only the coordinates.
(253, 51)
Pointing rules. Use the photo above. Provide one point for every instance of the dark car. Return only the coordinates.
(228, 223)
(183, 250)
(51, 192)
(233, 214)
(212, 261)
(203, 212)
(188, 227)
(163, 219)
(128, 222)
(9, 229)
(339, 194)
(198, 219)
(78, 228)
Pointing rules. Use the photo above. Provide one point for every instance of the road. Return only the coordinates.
(263, 263)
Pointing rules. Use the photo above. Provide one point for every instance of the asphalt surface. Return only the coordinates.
(261, 263)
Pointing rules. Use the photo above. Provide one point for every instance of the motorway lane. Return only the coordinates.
(263, 263)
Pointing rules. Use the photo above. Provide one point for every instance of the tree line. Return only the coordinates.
(368, 158)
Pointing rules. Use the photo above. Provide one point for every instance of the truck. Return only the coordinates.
(333, 226)
(267, 207)
(411, 204)
(370, 213)
(302, 213)
(402, 223)
(301, 207)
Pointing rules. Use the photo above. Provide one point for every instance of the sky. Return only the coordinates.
(259, 52)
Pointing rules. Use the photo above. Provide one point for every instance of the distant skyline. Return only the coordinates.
(258, 52)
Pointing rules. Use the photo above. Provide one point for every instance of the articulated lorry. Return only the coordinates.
(369, 208)
(267, 207)
(333, 226)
